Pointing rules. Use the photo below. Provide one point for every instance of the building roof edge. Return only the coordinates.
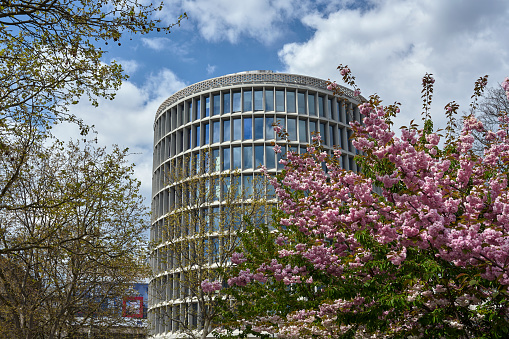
(247, 77)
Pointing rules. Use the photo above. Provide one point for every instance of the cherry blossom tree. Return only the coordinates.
(415, 245)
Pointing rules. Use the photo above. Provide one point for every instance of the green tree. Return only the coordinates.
(51, 52)
(413, 246)
(65, 264)
(71, 216)
(51, 55)
(207, 212)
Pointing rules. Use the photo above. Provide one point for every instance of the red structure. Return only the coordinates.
(132, 307)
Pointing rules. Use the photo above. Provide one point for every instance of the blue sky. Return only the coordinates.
(388, 44)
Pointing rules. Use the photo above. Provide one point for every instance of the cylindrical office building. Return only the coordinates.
(231, 118)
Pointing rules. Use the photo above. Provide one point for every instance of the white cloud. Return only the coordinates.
(128, 121)
(129, 66)
(231, 20)
(391, 44)
(157, 44)
(210, 69)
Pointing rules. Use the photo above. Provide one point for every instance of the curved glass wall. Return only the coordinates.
(233, 125)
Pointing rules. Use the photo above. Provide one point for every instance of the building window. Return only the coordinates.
(216, 108)
(322, 134)
(237, 129)
(216, 160)
(301, 103)
(197, 110)
(303, 131)
(226, 159)
(258, 156)
(321, 111)
(225, 190)
(248, 157)
(226, 103)
(258, 100)
(329, 109)
(237, 158)
(216, 131)
(338, 112)
(290, 101)
(197, 137)
(248, 129)
(280, 101)
(226, 130)
(269, 100)
(182, 112)
(207, 106)
(350, 146)
(206, 134)
(248, 101)
(279, 156)
(270, 156)
(292, 129)
(312, 128)
(236, 102)
(247, 186)
(258, 128)
(269, 129)
(311, 104)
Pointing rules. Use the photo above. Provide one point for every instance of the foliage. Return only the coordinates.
(199, 233)
(71, 216)
(50, 53)
(71, 242)
(49, 58)
(415, 246)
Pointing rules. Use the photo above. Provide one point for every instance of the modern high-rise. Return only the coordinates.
(231, 118)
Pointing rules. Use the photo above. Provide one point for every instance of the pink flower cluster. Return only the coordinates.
(245, 277)
(238, 258)
(505, 86)
(332, 86)
(344, 71)
(209, 287)
(452, 204)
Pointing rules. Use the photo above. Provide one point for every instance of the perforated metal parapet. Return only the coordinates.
(258, 77)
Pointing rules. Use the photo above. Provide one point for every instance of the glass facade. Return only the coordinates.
(231, 128)
(216, 109)
(248, 101)
(236, 102)
(269, 100)
(290, 101)
(280, 101)
(226, 103)
(258, 100)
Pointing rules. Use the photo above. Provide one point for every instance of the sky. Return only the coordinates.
(388, 44)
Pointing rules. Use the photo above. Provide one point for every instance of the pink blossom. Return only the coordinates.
(505, 86)
(208, 287)
(397, 257)
(344, 71)
(238, 258)
(332, 86)
(450, 204)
